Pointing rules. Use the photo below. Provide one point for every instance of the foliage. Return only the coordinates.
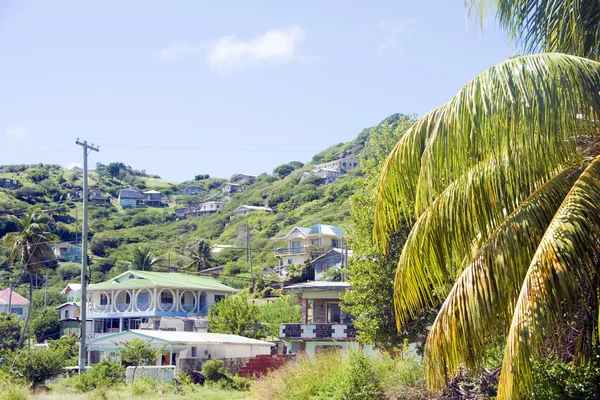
(519, 256)
(142, 259)
(10, 328)
(114, 168)
(285, 169)
(46, 325)
(199, 252)
(106, 373)
(214, 371)
(68, 346)
(201, 177)
(333, 375)
(13, 391)
(37, 366)
(559, 380)
(236, 315)
(283, 310)
(138, 352)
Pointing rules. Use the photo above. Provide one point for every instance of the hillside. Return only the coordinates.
(115, 232)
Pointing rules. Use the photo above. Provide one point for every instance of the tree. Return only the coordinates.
(114, 168)
(143, 259)
(30, 246)
(199, 251)
(10, 328)
(236, 315)
(502, 187)
(285, 169)
(39, 365)
(46, 325)
(371, 271)
(283, 310)
(138, 352)
(201, 177)
(37, 175)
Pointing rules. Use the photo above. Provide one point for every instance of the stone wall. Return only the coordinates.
(232, 365)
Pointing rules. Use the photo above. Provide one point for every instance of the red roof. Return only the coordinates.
(16, 299)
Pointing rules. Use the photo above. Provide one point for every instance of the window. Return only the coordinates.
(194, 352)
(166, 298)
(335, 243)
(103, 299)
(334, 314)
(324, 268)
(16, 310)
(315, 242)
(219, 297)
(66, 314)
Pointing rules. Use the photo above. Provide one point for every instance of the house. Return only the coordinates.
(180, 212)
(329, 326)
(230, 188)
(98, 198)
(72, 291)
(331, 170)
(331, 259)
(6, 183)
(192, 190)
(302, 242)
(130, 197)
(133, 297)
(244, 209)
(153, 198)
(214, 271)
(209, 207)
(67, 252)
(13, 302)
(242, 178)
(182, 349)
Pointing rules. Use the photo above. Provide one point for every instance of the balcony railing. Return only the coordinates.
(317, 331)
(316, 249)
(90, 336)
(122, 307)
(188, 307)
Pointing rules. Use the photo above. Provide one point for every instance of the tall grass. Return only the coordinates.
(352, 376)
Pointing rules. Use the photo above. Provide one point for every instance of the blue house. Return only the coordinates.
(67, 252)
(331, 259)
(130, 198)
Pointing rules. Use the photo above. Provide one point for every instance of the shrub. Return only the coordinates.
(37, 366)
(10, 330)
(214, 370)
(13, 391)
(558, 380)
(358, 380)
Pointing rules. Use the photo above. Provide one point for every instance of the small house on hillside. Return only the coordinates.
(243, 178)
(301, 242)
(230, 188)
(13, 302)
(152, 198)
(209, 207)
(6, 183)
(192, 190)
(130, 198)
(332, 259)
(331, 170)
(98, 198)
(244, 209)
(67, 252)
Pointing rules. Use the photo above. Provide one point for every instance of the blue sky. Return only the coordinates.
(193, 87)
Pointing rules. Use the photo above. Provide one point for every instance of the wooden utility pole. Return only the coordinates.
(249, 254)
(10, 297)
(84, 240)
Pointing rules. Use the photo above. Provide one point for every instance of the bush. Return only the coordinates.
(558, 380)
(10, 330)
(46, 325)
(357, 381)
(214, 370)
(37, 366)
(13, 391)
(105, 374)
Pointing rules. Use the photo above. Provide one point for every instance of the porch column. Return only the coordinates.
(154, 300)
(304, 311)
(121, 324)
(112, 301)
(177, 305)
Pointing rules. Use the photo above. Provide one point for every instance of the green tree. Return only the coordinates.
(199, 251)
(285, 169)
(46, 325)
(114, 168)
(37, 175)
(37, 366)
(142, 259)
(283, 310)
(138, 352)
(10, 329)
(502, 185)
(236, 315)
(30, 246)
(68, 346)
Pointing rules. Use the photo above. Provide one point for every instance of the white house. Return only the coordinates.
(244, 209)
(301, 242)
(72, 291)
(179, 345)
(331, 170)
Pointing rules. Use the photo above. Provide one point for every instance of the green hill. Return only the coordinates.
(115, 232)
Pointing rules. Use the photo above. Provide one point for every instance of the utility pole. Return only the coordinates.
(249, 253)
(10, 297)
(84, 240)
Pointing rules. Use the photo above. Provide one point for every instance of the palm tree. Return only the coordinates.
(200, 254)
(502, 188)
(143, 259)
(30, 246)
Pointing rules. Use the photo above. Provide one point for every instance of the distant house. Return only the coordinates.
(331, 170)
(192, 190)
(70, 312)
(72, 291)
(67, 252)
(18, 304)
(244, 209)
(214, 271)
(153, 198)
(209, 207)
(98, 198)
(331, 259)
(9, 183)
(130, 198)
(230, 188)
(301, 242)
(180, 212)
(242, 178)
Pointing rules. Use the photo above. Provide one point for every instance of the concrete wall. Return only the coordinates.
(232, 365)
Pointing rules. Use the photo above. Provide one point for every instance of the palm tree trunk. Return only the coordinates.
(26, 325)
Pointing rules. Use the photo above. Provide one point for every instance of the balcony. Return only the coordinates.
(317, 331)
(314, 250)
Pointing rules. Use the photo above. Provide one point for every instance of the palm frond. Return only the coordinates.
(479, 306)
(537, 105)
(566, 26)
(563, 264)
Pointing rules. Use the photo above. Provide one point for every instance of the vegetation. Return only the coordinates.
(138, 352)
(236, 315)
(501, 187)
(10, 330)
(37, 366)
(142, 259)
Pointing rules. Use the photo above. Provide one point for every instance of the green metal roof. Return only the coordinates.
(161, 279)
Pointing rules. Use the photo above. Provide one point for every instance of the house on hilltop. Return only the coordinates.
(332, 259)
(67, 252)
(6, 183)
(301, 242)
(243, 178)
(331, 170)
(209, 207)
(153, 198)
(132, 298)
(230, 188)
(192, 190)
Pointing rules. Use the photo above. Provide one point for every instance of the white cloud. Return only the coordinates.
(17, 131)
(175, 51)
(73, 165)
(274, 46)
